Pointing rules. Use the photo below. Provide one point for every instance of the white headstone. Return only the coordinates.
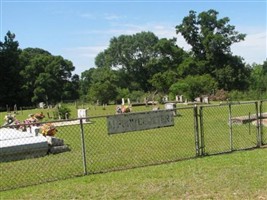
(82, 113)
(41, 105)
(171, 106)
(198, 99)
(181, 99)
(122, 101)
(206, 100)
(15, 108)
(35, 130)
(165, 99)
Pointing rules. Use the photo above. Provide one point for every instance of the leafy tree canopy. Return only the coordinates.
(10, 67)
(194, 86)
(211, 39)
(48, 78)
(209, 36)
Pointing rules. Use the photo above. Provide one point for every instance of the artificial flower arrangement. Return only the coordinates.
(32, 120)
(9, 119)
(48, 129)
(39, 116)
(123, 109)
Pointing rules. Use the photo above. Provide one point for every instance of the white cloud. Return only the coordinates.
(256, 40)
(253, 49)
(87, 15)
(85, 51)
(111, 17)
(82, 57)
(106, 16)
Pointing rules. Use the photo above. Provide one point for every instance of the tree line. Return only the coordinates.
(135, 65)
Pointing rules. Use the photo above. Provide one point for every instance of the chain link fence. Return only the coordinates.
(27, 159)
(86, 146)
(107, 152)
(229, 127)
(263, 121)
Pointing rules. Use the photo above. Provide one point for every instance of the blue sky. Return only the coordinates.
(79, 30)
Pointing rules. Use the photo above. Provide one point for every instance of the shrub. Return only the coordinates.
(220, 95)
(64, 111)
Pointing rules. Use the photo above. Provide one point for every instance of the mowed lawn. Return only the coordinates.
(134, 149)
(239, 175)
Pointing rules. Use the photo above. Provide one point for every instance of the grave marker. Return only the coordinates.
(206, 100)
(82, 113)
(181, 98)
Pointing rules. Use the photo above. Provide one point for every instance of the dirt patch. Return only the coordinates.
(263, 121)
(68, 123)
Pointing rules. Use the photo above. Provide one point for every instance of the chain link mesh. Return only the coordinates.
(106, 152)
(263, 108)
(229, 127)
(244, 126)
(87, 148)
(20, 169)
(215, 129)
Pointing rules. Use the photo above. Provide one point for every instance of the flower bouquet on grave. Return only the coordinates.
(17, 124)
(126, 109)
(39, 116)
(9, 119)
(25, 125)
(48, 129)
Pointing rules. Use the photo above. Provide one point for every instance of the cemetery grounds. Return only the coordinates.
(106, 152)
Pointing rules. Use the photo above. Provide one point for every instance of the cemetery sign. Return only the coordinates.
(139, 121)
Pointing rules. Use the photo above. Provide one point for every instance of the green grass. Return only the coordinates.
(104, 152)
(92, 111)
(240, 175)
(129, 150)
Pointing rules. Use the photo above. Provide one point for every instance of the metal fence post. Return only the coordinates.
(202, 142)
(259, 124)
(83, 148)
(196, 130)
(230, 127)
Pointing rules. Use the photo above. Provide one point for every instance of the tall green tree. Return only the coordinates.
(86, 81)
(130, 54)
(164, 65)
(71, 88)
(10, 67)
(48, 78)
(142, 61)
(32, 66)
(194, 86)
(209, 36)
(211, 39)
(233, 74)
(258, 79)
(103, 87)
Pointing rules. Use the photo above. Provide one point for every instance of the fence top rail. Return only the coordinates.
(185, 108)
(101, 116)
(243, 102)
(39, 123)
(227, 104)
